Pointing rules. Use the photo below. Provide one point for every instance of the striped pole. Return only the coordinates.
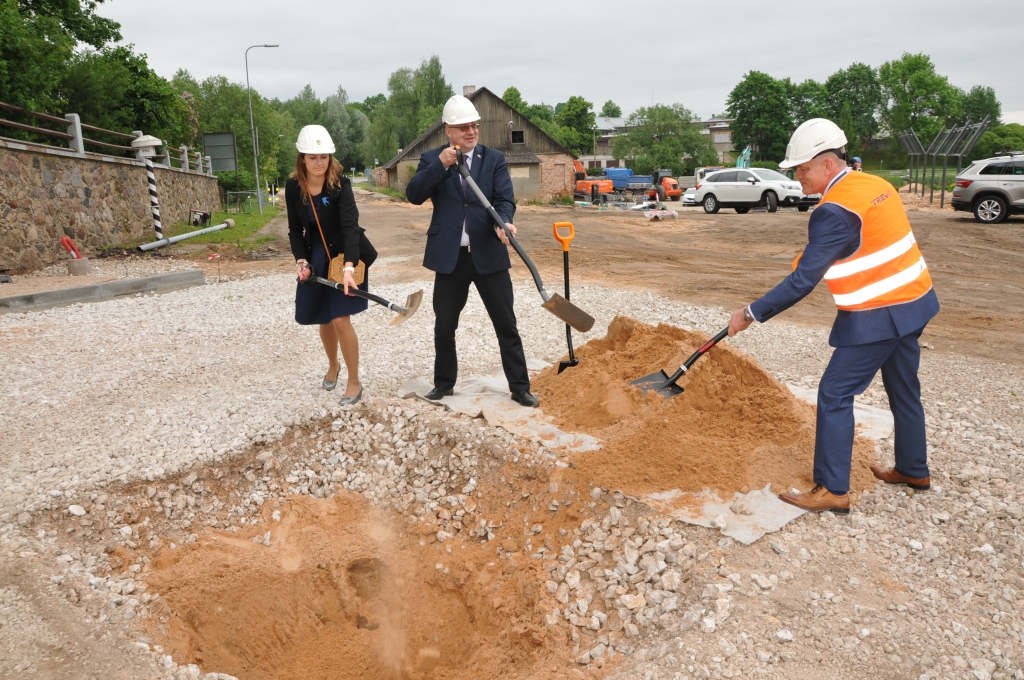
(154, 202)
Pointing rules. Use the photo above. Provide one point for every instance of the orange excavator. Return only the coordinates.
(583, 188)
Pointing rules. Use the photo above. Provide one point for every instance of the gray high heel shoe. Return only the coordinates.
(330, 384)
(348, 401)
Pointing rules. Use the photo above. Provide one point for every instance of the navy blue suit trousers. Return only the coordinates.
(849, 373)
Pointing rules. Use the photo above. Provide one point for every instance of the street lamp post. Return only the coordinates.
(252, 130)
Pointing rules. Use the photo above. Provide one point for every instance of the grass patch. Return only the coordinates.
(388, 191)
(246, 225)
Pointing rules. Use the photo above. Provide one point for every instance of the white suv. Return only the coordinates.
(746, 188)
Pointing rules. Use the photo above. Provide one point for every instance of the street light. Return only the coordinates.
(252, 130)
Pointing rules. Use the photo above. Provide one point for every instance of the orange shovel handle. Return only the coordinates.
(564, 240)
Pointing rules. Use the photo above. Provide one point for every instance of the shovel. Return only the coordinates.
(565, 241)
(412, 302)
(665, 384)
(556, 304)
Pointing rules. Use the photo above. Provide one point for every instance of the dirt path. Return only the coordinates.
(729, 260)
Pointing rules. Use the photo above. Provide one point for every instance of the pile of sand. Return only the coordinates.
(342, 592)
(734, 428)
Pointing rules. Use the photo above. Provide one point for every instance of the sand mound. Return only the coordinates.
(342, 593)
(734, 428)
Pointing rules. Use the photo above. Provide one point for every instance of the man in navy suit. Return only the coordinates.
(464, 246)
(860, 242)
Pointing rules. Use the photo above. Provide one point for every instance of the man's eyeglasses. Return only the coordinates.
(465, 128)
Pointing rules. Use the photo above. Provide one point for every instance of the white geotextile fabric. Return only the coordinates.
(488, 396)
(746, 518)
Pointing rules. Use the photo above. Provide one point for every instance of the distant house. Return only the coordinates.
(720, 130)
(607, 130)
(540, 167)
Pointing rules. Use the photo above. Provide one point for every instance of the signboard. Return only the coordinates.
(220, 147)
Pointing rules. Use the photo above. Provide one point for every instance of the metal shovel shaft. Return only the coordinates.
(556, 304)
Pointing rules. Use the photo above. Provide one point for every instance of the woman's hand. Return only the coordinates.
(349, 278)
(302, 269)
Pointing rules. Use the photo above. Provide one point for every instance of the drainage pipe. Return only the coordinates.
(174, 239)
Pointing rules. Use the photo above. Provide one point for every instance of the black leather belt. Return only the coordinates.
(464, 249)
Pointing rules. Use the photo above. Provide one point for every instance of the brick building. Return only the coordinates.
(540, 167)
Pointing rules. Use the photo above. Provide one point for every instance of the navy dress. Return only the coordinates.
(315, 303)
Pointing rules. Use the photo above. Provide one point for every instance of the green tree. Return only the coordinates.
(980, 102)
(114, 88)
(575, 129)
(540, 114)
(760, 105)
(514, 98)
(846, 122)
(611, 110)
(370, 105)
(33, 49)
(664, 137)
(856, 87)
(806, 100)
(224, 107)
(999, 139)
(77, 18)
(915, 96)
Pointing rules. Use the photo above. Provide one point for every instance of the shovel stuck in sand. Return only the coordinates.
(664, 384)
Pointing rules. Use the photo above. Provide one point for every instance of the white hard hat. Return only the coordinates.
(314, 139)
(810, 139)
(458, 111)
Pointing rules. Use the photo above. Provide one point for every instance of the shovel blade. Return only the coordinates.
(412, 303)
(569, 313)
(659, 382)
(562, 365)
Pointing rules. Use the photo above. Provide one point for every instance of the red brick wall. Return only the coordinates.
(556, 175)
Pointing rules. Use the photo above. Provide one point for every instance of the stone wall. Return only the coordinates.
(98, 201)
(556, 176)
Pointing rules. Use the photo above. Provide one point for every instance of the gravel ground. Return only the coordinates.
(100, 395)
(121, 268)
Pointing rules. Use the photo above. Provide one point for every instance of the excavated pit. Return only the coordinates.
(343, 590)
(734, 428)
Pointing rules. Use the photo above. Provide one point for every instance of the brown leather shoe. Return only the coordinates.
(890, 476)
(818, 499)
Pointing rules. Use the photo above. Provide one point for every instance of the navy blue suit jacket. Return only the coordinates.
(833, 233)
(453, 207)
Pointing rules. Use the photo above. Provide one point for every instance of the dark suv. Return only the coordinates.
(992, 189)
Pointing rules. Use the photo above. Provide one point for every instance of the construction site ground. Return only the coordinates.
(181, 499)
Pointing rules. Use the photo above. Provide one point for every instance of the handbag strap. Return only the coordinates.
(317, 218)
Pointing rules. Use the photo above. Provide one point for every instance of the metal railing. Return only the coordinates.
(77, 142)
(955, 142)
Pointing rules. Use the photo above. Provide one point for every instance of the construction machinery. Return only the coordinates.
(666, 187)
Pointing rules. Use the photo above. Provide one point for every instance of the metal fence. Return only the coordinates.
(954, 142)
(74, 133)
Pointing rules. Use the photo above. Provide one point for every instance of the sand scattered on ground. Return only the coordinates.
(734, 428)
(344, 591)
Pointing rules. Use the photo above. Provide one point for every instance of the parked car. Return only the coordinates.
(746, 188)
(992, 189)
(688, 196)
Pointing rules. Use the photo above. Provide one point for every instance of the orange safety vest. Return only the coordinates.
(887, 269)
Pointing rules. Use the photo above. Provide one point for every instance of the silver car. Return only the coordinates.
(746, 188)
(992, 189)
(688, 196)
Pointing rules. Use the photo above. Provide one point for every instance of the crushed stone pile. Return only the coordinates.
(734, 428)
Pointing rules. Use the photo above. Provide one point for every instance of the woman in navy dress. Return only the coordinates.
(318, 184)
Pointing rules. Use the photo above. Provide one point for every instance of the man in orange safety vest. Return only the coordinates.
(861, 243)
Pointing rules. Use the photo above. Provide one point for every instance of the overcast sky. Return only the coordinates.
(692, 53)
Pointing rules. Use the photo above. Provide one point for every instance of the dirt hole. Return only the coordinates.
(344, 591)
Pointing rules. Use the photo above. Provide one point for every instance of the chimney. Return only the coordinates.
(468, 90)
